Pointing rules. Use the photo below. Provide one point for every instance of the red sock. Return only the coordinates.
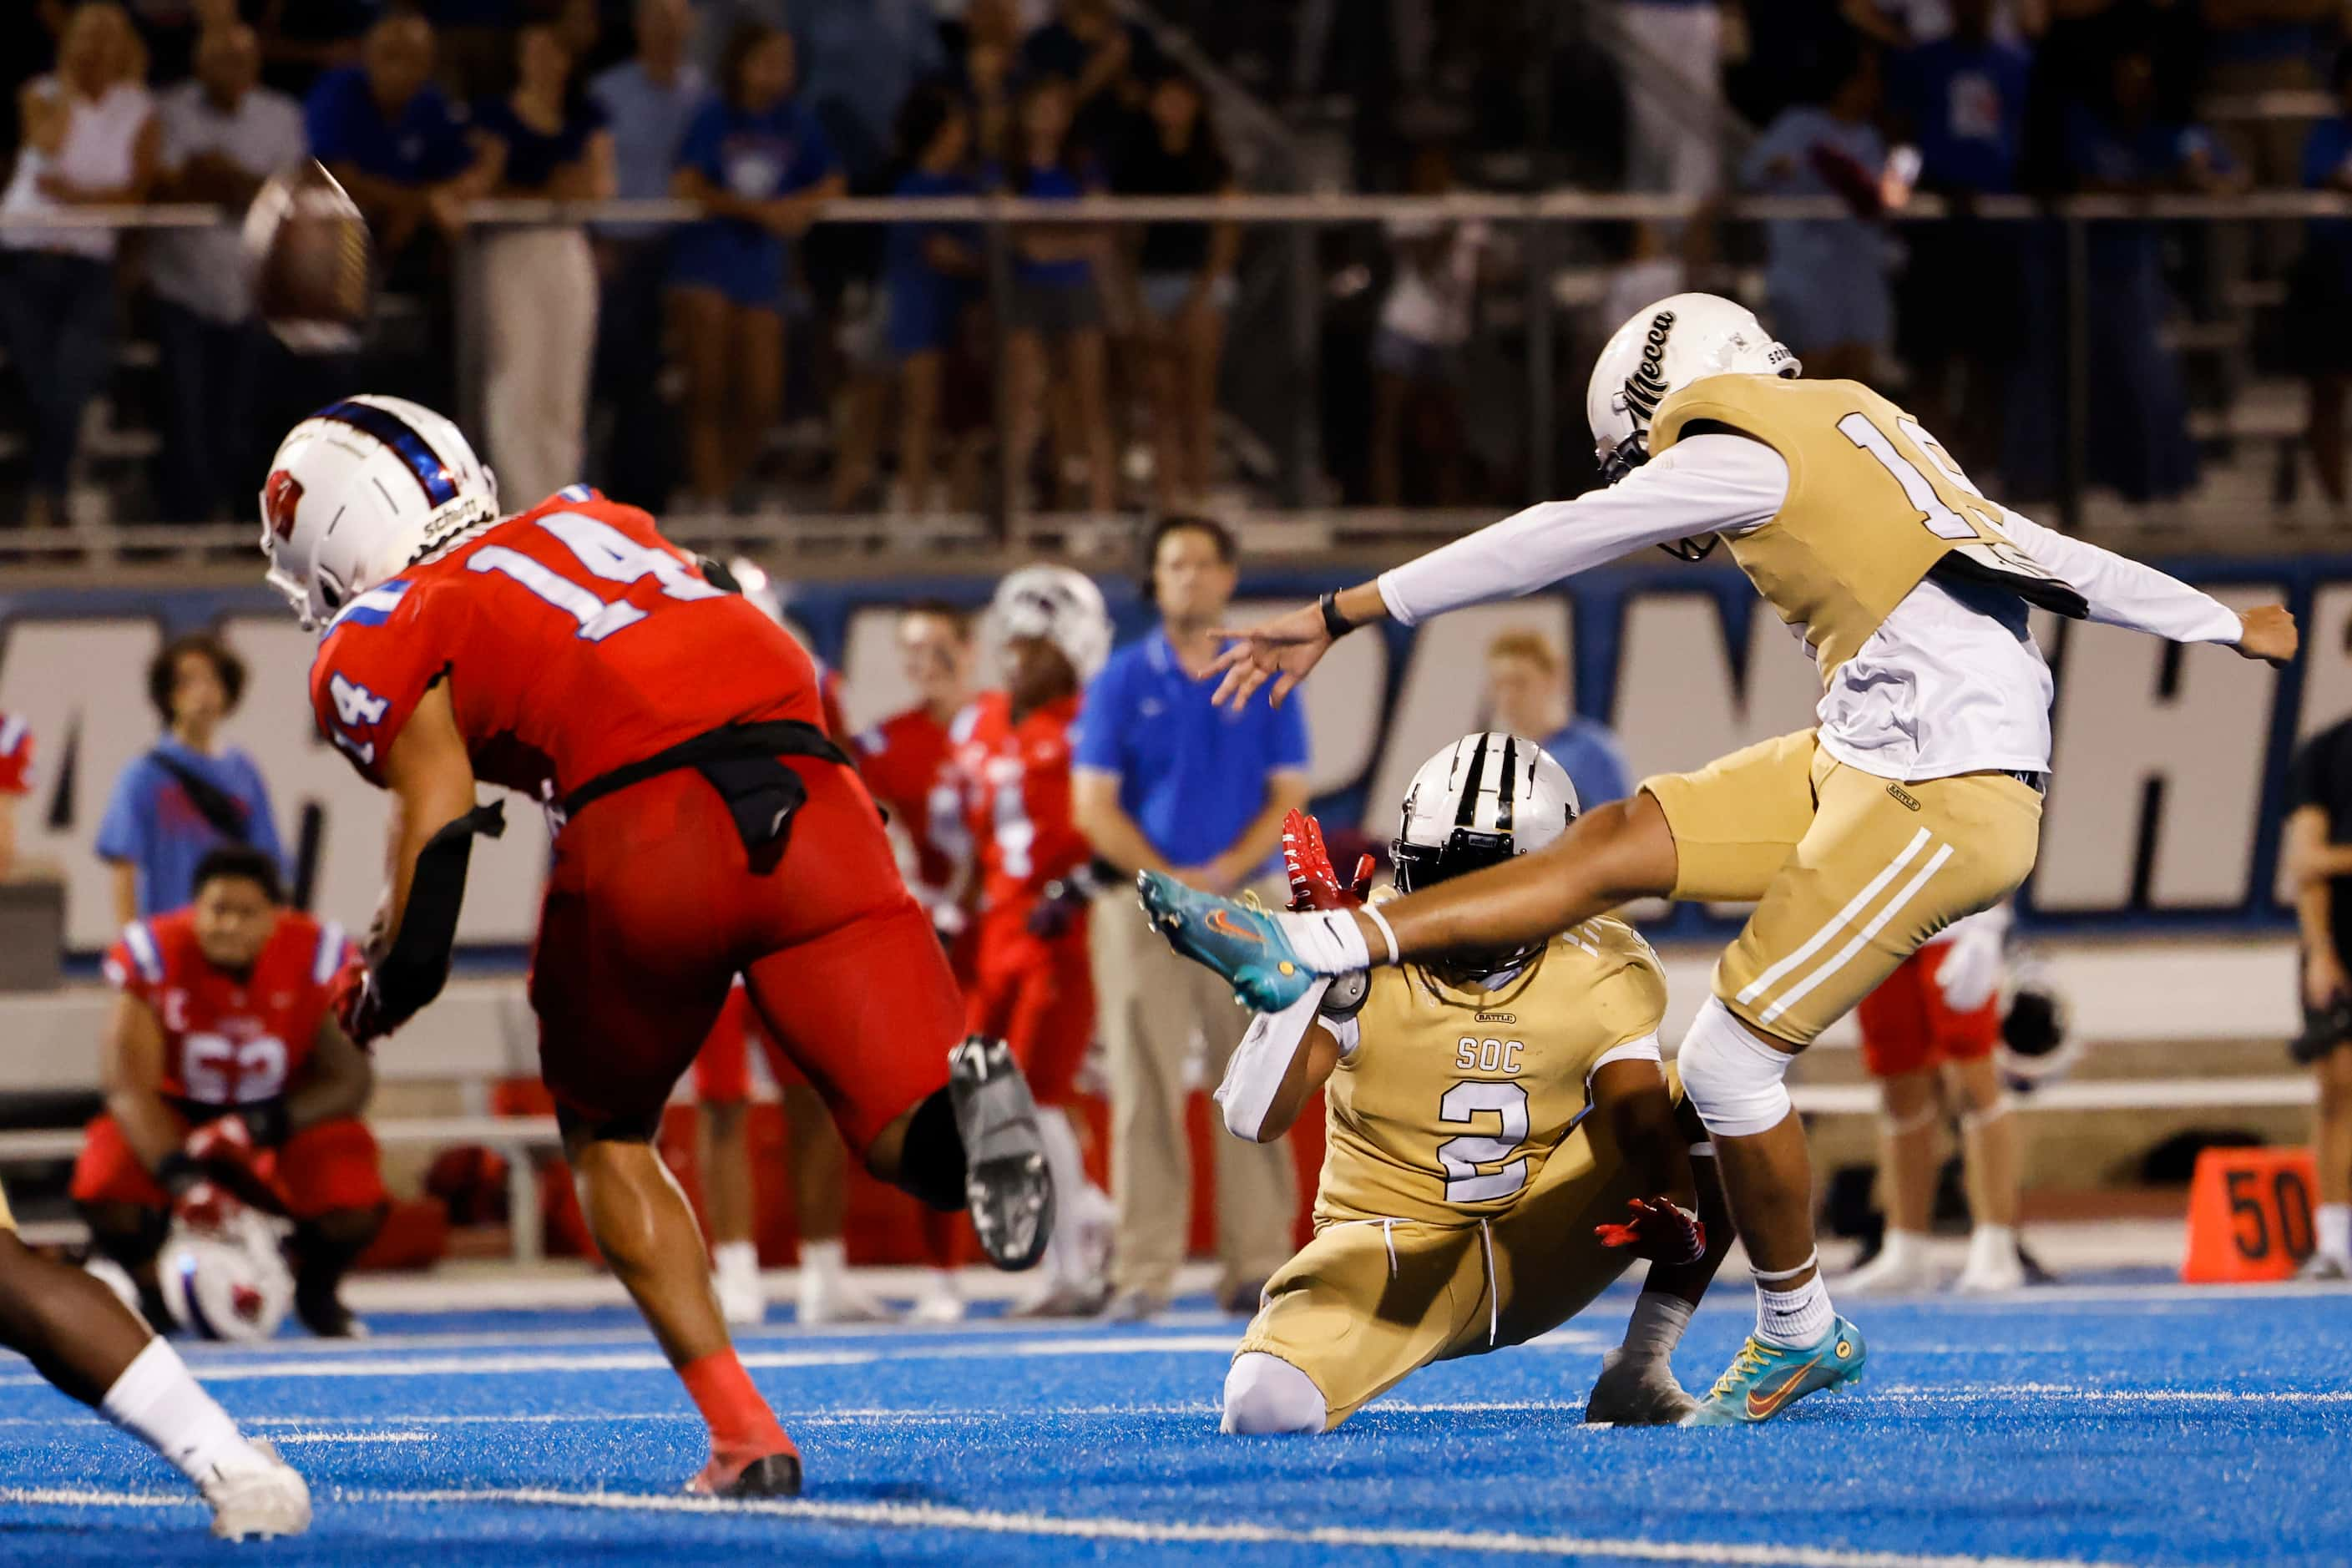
(742, 1427)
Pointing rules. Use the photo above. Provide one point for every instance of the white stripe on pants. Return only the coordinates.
(538, 301)
(1151, 1005)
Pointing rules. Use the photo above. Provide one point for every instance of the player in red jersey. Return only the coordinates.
(1939, 1017)
(225, 1069)
(16, 782)
(1008, 781)
(706, 828)
(901, 759)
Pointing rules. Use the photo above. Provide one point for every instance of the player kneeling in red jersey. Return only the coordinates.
(228, 1079)
(707, 827)
(1008, 781)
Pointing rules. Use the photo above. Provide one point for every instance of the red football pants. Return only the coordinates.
(722, 1068)
(317, 1171)
(1037, 996)
(652, 910)
(1907, 1027)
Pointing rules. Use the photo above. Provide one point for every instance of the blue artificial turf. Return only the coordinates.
(2118, 1425)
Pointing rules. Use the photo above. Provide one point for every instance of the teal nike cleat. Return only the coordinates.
(1245, 945)
(1764, 1379)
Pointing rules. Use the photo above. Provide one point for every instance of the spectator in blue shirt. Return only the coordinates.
(1056, 312)
(759, 164)
(189, 795)
(861, 60)
(1164, 780)
(648, 100)
(2321, 299)
(1961, 99)
(1527, 694)
(1105, 59)
(1825, 279)
(929, 272)
(384, 130)
(2138, 440)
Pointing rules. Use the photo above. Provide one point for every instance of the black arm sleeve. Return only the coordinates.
(413, 973)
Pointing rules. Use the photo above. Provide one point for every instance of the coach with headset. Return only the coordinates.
(1164, 780)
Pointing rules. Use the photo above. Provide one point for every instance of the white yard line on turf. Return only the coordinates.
(1169, 1532)
(262, 1364)
(285, 1437)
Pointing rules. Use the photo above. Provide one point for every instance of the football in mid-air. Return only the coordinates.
(309, 254)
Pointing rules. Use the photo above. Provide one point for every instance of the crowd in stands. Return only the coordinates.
(663, 361)
(656, 359)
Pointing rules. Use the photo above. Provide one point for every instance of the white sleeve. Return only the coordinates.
(1644, 1049)
(1254, 1072)
(2123, 593)
(1707, 484)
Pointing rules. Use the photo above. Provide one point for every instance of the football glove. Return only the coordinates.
(358, 1003)
(1970, 970)
(1661, 1230)
(1066, 898)
(1314, 885)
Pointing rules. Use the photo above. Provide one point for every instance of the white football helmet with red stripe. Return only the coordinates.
(1062, 605)
(361, 489)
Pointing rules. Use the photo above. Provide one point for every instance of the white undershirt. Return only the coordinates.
(1949, 683)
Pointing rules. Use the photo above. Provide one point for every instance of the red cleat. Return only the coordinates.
(744, 1474)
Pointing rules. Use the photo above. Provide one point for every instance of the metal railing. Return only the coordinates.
(1533, 218)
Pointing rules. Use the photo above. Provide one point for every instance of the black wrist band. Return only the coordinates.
(1334, 625)
(175, 1173)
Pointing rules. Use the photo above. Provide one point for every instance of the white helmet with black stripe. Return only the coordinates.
(361, 489)
(1476, 804)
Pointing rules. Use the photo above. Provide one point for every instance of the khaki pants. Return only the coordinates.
(539, 290)
(1151, 1006)
(1850, 873)
(1368, 1302)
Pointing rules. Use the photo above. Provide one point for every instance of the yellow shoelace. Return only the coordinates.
(1751, 1359)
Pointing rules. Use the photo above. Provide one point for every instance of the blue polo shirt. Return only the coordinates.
(151, 823)
(424, 145)
(1191, 775)
(1586, 749)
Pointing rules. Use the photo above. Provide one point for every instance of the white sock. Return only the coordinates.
(826, 1260)
(2333, 1231)
(941, 1286)
(1902, 1247)
(1656, 1325)
(1327, 942)
(1793, 1319)
(1068, 1169)
(156, 1401)
(1992, 1246)
(729, 1259)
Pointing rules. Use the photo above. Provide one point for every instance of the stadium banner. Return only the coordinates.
(2169, 778)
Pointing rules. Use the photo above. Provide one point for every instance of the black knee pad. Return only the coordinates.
(931, 1160)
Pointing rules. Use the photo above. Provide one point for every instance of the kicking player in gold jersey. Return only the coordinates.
(1501, 1139)
(1916, 799)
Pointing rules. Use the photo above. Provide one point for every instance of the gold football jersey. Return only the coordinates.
(1455, 1098)
(1876, 504)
